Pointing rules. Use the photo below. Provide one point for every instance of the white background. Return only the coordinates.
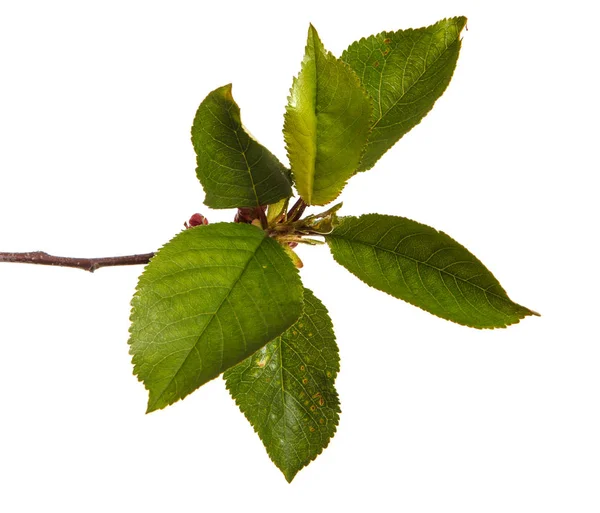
(96, 102)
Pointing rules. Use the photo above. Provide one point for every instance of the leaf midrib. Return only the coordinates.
(313, 165)
(413, 84)
(286, 393)
(248, 168)
(285, 382)
(456, 277)
(213, 316)
(237, 137)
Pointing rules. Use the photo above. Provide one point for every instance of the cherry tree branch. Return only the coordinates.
(87, 264)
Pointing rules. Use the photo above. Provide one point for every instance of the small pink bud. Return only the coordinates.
(197, 220)
(247, 214)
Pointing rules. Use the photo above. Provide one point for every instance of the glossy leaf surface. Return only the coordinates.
(327, 122)
(209, 298)
(234, 169)
(427, 268)
(286, 389)
(405, 72)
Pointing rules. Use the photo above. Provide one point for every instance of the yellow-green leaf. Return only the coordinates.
(327, 122)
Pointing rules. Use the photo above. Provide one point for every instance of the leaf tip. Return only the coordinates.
(462, 21)
(156, 402)
(152, 406)
(313, 37)
(289, 475)
(533, 312)
(226, 90)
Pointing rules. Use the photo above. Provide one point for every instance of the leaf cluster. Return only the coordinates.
(227, 298)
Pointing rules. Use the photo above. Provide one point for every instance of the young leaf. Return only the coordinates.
(425, 267)
(234, 169)
(327, 122)
(209, 298)
(404, 72)
(286, 389)
(277, 211)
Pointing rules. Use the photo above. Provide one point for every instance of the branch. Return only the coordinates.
(87, 264)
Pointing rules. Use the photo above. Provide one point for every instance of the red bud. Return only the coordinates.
(197, 220)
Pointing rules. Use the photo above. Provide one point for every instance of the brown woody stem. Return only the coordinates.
(87, 264)
(263, 218)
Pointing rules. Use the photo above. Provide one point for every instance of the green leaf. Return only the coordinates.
(404, 72)
(425, 267)
(209, 298)
(286, 389)
(277, 211)
(327, 122)
(234, 169)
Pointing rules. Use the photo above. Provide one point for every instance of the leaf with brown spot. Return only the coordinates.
(290, 399)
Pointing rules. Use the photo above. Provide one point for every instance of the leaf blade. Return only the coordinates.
(425, 267)
(294, 374)
(209, 298)
(404, 72)
(233, 168)
(326, 124)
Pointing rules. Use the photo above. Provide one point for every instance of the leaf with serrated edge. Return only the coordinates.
(234, 169)
(209, 298)
(286, 389)
(425, 267)
(405, 72)
(326, 124)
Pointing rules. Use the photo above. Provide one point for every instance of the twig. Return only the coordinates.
(87, 264)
